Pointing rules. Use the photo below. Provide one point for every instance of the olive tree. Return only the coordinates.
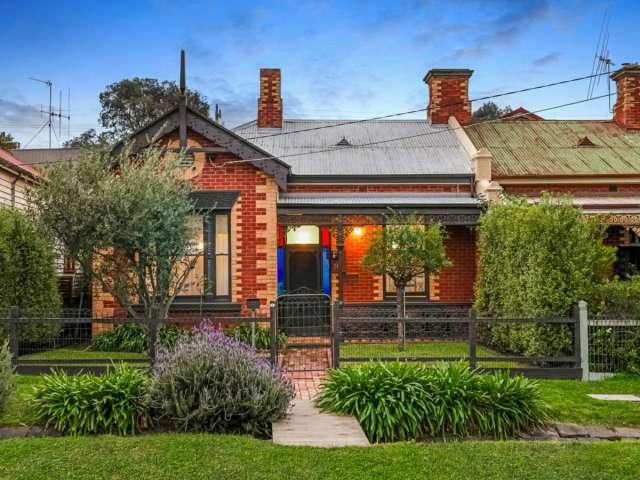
(126, 221)
(403, 249)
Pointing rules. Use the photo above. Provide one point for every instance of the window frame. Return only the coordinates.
(424, 294)
(210, 256)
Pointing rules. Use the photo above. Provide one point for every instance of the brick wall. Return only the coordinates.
(253, 224)
(270, 101)
(626, 110)
(456, 282)
(434, 187)
(449, 95)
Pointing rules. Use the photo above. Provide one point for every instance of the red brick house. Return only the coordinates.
(294, 201)
(596, 161)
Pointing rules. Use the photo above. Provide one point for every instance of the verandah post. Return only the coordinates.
(14, 333)
(472, 338)
(335, 334)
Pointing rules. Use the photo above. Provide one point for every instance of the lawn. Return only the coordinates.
(450, 349)
(201, 456)
(80, 353)
(570, 402)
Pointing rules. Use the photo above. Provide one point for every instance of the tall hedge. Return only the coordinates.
(539, 259)
(27, 263)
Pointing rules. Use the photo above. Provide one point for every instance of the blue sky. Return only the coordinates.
(340, 59)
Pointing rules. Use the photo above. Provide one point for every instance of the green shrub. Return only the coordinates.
(214, 383)
(28, 277)
(7, 376)
(406, 401)
(132, 337)
(617, 347)
(615, 299)
(82, 404)
(263, 336)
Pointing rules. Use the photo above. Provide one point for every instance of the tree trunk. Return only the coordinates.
(400, 313)
(154, 320)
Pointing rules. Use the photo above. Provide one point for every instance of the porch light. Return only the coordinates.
(357, 231)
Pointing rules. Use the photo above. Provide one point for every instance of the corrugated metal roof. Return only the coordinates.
(605, 203)
(433, 149)
(43, 156)
(377, 199)
(550, 147)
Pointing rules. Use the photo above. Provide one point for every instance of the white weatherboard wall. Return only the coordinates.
(12, 189)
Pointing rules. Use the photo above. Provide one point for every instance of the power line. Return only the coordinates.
(391, 115)
(437, 132)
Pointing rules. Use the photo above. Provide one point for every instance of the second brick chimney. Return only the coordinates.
(448, 95)
(270, 101)
(626, 110)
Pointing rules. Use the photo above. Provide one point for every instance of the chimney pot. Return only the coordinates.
(270, 101)
(448, 95)
(626, 110)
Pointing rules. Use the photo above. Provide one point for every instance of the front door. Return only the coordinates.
(303, 269)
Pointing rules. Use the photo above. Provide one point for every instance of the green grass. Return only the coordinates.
(80, 353)
(16, 411)
(570, 402)
(200, 456)
(438, 348)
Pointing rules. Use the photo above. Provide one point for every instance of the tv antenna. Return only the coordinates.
(52, 114)
(601, 60)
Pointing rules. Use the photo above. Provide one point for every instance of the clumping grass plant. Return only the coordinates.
(401, 401)
(132, 337)
(210, 382)
(81, 404)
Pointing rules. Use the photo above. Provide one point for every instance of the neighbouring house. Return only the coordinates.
(291, 204)
(15, 178)
(596, 161)
(74, 292)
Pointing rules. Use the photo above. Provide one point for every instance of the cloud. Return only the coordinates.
(548, 59)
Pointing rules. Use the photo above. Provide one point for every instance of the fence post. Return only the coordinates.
(582, 331)
(153, 332)
(335, 334)
(472, 338)
(14, 333)
(273, 313)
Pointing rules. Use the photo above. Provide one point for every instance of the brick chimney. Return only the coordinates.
(270, 102)
(626, 110)
(448, 95)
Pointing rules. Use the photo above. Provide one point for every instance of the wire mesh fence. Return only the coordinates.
(614, 345)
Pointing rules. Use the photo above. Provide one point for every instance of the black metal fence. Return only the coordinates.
(75, 340)
(433, 333)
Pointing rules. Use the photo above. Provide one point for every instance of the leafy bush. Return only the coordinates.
(7, 376)
(263, 336)
(404, 401)
(82, 404)
(615, 299)
(28, 277)
(526, 271)
(213, 383)
(617, 349)
(132, 337)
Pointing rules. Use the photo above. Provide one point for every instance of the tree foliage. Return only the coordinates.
(130, 104)
(538, 260)
(27, 263)
(90, 138)
(404, 249)
(129, 230)
(490, 111)
(7, 141)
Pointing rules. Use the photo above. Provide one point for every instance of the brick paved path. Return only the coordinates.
(306, 368)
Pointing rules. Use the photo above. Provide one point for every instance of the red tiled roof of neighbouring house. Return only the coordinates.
(11, 162)
(522, 113)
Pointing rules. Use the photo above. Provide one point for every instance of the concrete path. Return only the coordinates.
(307, 425)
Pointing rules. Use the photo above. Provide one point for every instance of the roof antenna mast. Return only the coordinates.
(182, 104)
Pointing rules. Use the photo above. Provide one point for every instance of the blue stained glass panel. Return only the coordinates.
(326, 271)
(280, 270)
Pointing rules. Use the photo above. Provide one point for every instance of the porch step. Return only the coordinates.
(306, 425)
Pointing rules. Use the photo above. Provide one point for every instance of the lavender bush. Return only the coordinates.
(213, 383)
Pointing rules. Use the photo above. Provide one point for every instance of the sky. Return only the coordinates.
(339, 59)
